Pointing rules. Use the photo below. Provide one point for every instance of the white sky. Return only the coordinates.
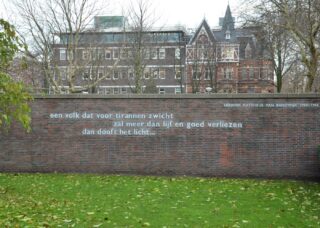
(171, 12)
(188, 12)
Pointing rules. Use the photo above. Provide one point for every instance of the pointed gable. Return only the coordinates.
(203, 29)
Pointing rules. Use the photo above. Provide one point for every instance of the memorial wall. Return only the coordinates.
(270, 136)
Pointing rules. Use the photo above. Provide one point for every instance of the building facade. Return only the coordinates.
(113, 60)
(227, 60)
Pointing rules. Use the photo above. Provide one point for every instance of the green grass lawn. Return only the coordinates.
(55, 200)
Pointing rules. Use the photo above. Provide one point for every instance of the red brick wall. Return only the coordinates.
(250, 136)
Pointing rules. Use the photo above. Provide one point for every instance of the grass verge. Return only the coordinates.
(61, 200)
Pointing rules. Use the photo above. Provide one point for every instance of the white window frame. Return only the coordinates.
(100, 73)
(85, 54)
(162, 74)
(63, 74)
(116, 53)
(177, 90)
(116, 90)
(123, 54)
(63, 54)
(116, 72)
(147, 53)
(100, 54)
(154, 53)
(85, 72)
(108, 52)
(109, 90)
(244, 73)
(198, 75)
(146, 74)
(177, 72)
(251, 73)
(177, 53)
(155, 73)
(162, 91)
(227, 53)
(207, 74)
(228, 73)
(124, 90)
(130, 74)
(162, 53)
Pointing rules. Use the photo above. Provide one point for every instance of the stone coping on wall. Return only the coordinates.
(182, 96)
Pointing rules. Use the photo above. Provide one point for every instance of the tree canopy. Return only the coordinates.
(13, 96)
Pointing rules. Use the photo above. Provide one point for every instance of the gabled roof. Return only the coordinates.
(204, 24)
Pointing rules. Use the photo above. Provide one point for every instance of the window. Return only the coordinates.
(146, 74)
(251, 89)
(162, 53)
(270, 74)
(108, 54)
(177, 90)
(108, 75)
(202, 53)
(227, 53)
(178, 74)
(196, 75)
(130, 74)
(100, 54)
(63, 54)
(228, 90)
(123, 54)
(147, 53)
(130, 54)
(244, 73)
(207, 74)
(251, 73)
(162, 91)
(228, 35)
(109, 90)
(155, 73)
(124, 90)
(124, 74)
(115, 75)
(63, 74)
(85, 55)
(100, 73)
(116, 53)
(116, 90)
(177, 53)
(94, 54)
(153, 53)
(86, 74)
(227, 73)
(101, 90)
(162, 74)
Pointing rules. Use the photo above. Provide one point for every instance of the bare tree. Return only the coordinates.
(276, 41)
(300, 18)
(202, 56)
(141, 19)
(60, 23)
(179, 63)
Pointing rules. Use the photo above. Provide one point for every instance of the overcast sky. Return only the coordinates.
(189, 12)
(172, 12)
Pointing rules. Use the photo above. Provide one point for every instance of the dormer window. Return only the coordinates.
(228, 35)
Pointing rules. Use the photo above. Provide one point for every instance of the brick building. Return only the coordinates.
(172, 60)
(227, 60)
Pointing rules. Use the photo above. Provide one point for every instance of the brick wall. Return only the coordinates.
(211, 135)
